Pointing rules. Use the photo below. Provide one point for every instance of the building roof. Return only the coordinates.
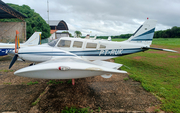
(53, 31)
(8, 12)
(57, 25)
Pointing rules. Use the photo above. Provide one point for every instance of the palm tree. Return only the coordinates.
(78, 33)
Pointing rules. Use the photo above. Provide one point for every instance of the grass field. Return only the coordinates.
(118, 39)
(158, 72)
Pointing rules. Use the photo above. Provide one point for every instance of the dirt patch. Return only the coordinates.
(111, 95)
(137, 57)
(173, 56)
(19, 97)
(15, 94)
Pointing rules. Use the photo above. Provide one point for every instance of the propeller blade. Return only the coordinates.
(13, 60)
(17, 41)
(17, 46)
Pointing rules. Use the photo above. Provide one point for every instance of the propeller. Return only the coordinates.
(17, 46)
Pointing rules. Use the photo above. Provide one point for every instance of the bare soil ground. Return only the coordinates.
(111, 95)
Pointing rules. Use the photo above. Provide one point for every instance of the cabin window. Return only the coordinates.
(64, 43)
(91, 45)
(77, 44)
(102, 46)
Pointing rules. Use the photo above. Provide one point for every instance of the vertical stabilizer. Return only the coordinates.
(34, 39)
(109, 38)
(144, 34)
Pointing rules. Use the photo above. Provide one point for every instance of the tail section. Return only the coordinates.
(144, 33)
(109, 38)
(34, 39)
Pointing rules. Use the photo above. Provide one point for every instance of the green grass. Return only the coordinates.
(172, 42)
(54, 82)
(32, 83)
(8, 83)
(125, 79)
(79, 110)
(69, 81)
(34, 103)
(119, 39)
(6, 70)
(158, 73)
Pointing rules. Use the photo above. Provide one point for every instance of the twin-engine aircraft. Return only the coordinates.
(5, 48)
(70, 58)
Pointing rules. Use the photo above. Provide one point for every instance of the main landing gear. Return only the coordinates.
(32, 64)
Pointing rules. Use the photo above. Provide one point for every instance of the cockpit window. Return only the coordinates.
(64, 43)
(53, 43)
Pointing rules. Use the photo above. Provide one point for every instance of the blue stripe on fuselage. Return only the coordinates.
(48, 53)
(4, 51)
(105, 52)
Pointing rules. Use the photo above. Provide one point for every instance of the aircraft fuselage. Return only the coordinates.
(85, 48)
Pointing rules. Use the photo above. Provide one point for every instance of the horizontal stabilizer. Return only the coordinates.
(159, 49)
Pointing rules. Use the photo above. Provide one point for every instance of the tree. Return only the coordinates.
(78, 33)
(34, 22)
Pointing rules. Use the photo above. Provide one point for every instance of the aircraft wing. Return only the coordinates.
(66, 68)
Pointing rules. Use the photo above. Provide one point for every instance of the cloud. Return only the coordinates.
(107, 17)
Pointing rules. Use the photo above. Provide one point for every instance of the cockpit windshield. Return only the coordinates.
(53, 43)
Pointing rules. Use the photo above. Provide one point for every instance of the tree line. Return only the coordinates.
(174, 32)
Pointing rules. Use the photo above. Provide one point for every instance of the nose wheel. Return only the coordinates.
(32, 64)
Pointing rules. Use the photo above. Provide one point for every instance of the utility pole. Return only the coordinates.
(48, 10)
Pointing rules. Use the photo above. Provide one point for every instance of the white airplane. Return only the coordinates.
(5, 48)
(70, 58)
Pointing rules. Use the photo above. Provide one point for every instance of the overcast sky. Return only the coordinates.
(107, 17)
